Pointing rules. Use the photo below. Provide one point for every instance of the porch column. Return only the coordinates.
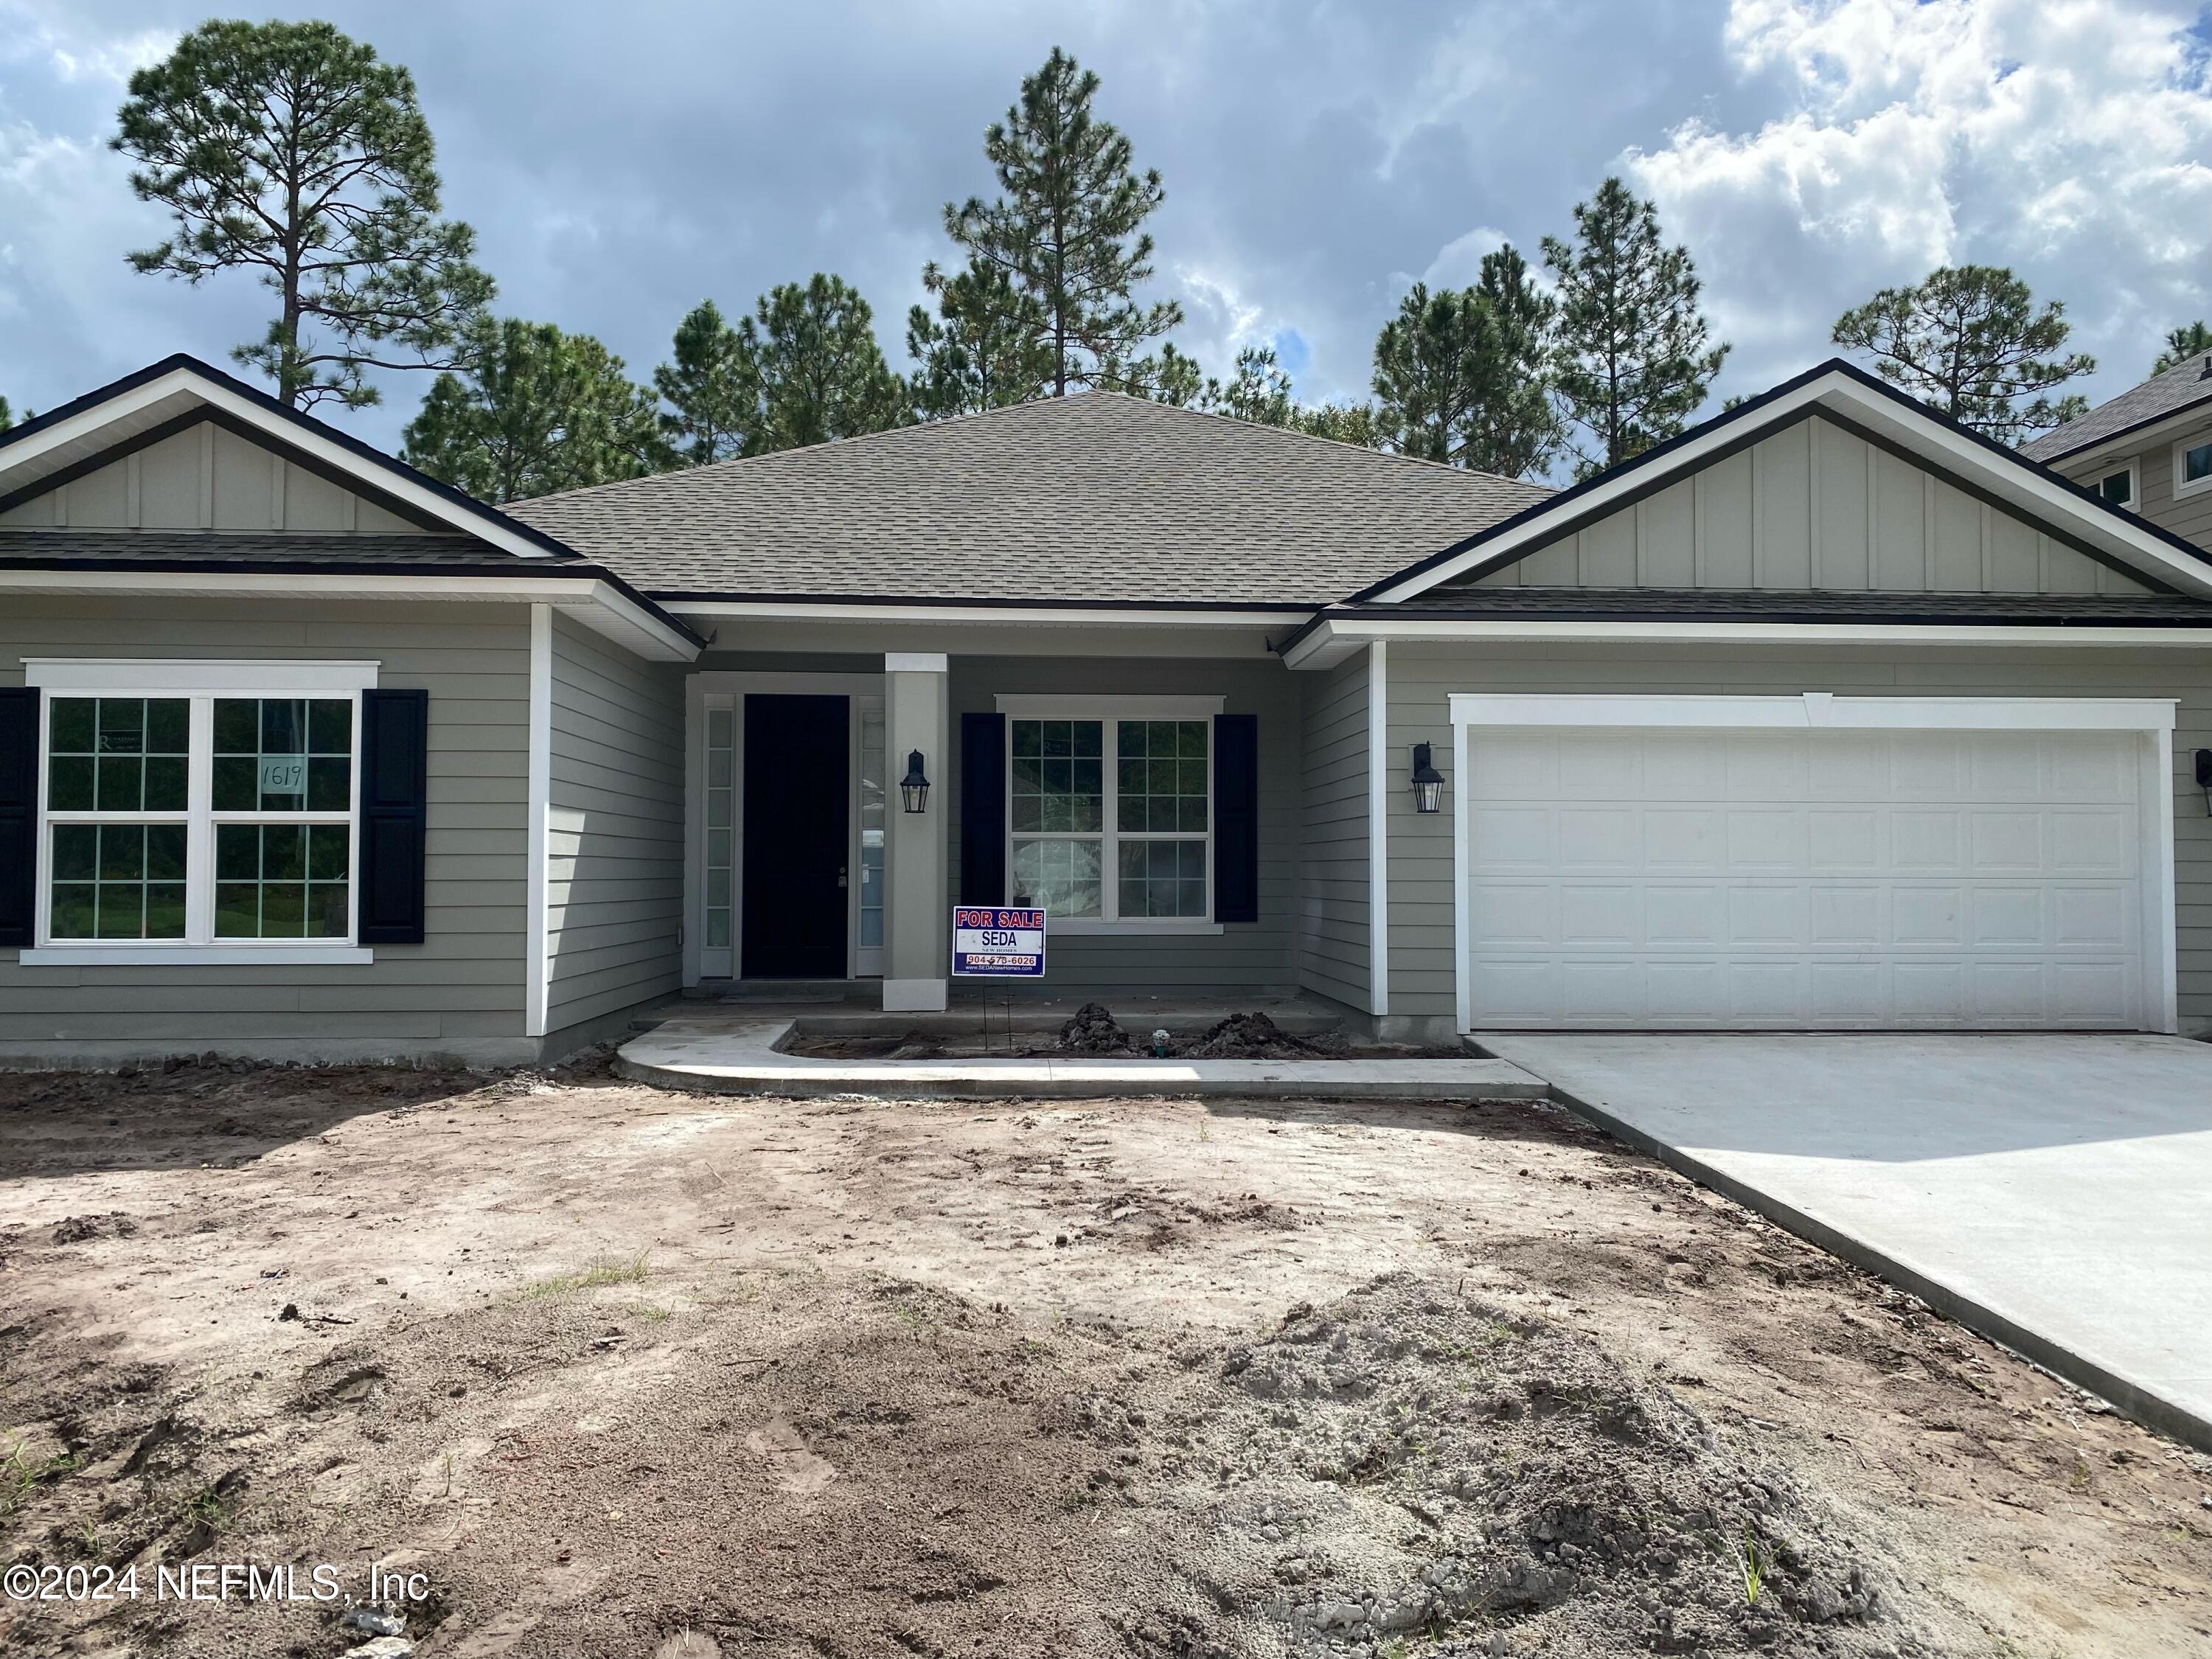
(917, 922)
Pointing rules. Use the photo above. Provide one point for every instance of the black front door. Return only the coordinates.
(796, 838)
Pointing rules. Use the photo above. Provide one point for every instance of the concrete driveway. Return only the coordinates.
(2054, 1192)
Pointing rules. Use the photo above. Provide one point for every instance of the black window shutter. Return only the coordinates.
(982, 809)
(19, 813)
(1236, 818)
(395, 742)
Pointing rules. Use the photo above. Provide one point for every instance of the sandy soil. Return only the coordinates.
(617, 1371)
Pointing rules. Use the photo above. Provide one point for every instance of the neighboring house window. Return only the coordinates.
(2192, 466)
(180, 812)
(2119, 488)
(1110, 817)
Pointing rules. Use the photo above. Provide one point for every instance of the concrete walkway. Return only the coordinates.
(724, 1050)
(2053, 1192)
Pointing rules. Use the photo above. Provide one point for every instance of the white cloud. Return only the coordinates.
(2049, 134)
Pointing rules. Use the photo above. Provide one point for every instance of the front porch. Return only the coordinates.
(1148, 803)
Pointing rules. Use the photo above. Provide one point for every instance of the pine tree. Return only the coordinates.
(1634, 363)
(291, 151)
(1464, 378)
(534, 410)
(819, 371)
(2191, 340)
(1259, 392)
(1169, 376)
(983, 350)
(1968, 341)
(7, 416)
(1066, 228)
(709, 386)
(1512, 425)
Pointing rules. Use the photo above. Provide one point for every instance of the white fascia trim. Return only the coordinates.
(538, 964)
(244, 677)
(916, 662)
(1815, 709)
(2029, 491)
(1378, 829)
(87, 424)
(1087, 707)
(138, 955)
(1332, 641)
(598, 604)
(1012, 615)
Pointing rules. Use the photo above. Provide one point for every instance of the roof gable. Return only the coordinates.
(1813, 506)
(1846, 396)
(207, 435)
(1096, 498)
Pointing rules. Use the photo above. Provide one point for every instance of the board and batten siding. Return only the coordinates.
(1815, 507)
(1422, 678)
(1332, 868)
(614, 830)
(1247, 956)
(205, 477)
(460, 992)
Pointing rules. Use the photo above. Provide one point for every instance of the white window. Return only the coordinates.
(2119, 487)
(2192, 465)
(199, 812)
(1109, 810)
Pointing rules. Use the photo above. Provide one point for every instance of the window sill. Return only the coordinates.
(197, 956)
(1076, 927)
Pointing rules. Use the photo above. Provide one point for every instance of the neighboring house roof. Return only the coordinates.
(1097, 497)
(2184, 386)
(1847, 395)
(179, 389)
(1771, 605)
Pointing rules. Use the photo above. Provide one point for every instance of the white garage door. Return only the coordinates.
(1804, 878)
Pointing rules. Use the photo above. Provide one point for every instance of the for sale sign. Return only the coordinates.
(997, 943)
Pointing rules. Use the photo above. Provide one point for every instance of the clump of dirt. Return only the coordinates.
(1407, 1460)
(1094, 1030)
(1254, 1037)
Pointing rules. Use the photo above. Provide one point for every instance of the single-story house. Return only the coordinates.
(1827, 715)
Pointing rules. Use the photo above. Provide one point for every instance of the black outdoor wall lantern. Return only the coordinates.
(1428, 783)
(913, 788)
(2204, 767)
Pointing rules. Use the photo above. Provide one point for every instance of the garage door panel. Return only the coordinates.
(1890, 879)
(1515, 766)
(2006, 843)
(1841, 841)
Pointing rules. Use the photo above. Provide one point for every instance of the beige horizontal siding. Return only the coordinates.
(1334, 906)
(464, 982)
(615, 877)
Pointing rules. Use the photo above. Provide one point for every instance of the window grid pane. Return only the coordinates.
(1062, 878)
(117, 881)
(282, 880)
(283, 755)
(1160, 776)
(1163, 877)
(117, 754)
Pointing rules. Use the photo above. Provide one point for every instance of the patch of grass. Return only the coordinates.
(1752, 1562)
(651, 1312)
(21, 1474)
(597, 1275)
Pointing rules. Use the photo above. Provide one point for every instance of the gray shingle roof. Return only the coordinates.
(1732, 605)
(2188, 383)
(1096, 497)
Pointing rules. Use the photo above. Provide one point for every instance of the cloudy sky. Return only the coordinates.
(621, 162)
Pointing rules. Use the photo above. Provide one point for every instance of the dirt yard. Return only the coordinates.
(597, 1370)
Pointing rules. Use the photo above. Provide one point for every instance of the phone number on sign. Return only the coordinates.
(203, 1581)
